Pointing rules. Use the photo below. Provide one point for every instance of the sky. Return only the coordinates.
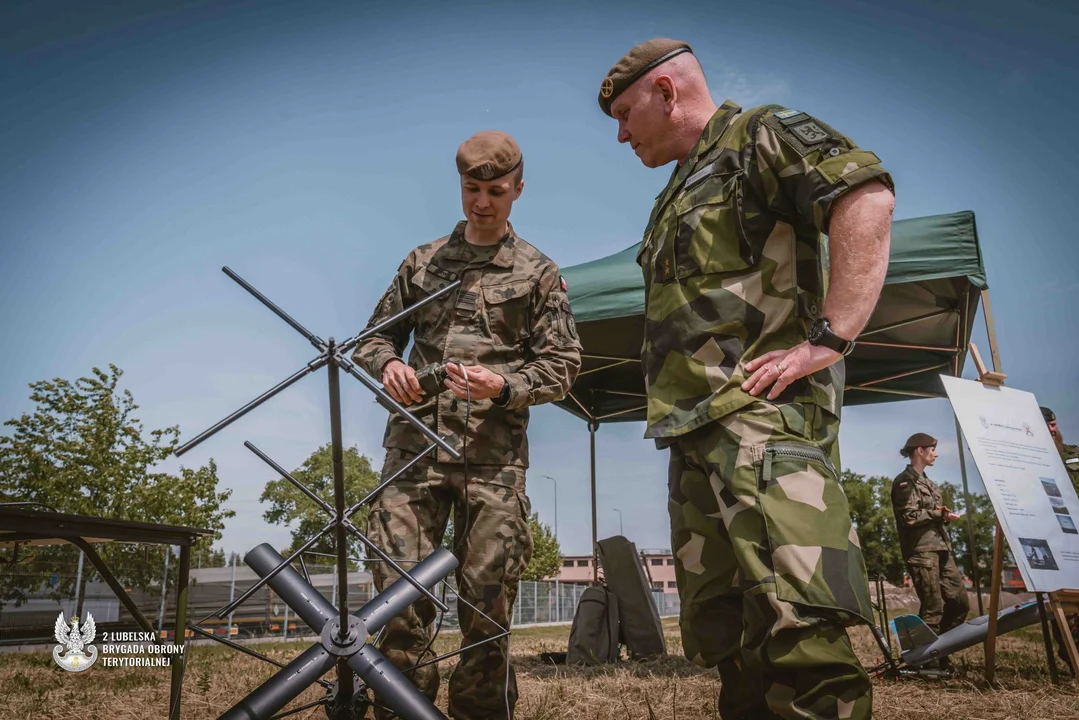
(309, 146)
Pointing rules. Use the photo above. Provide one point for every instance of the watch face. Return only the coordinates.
(816, 332)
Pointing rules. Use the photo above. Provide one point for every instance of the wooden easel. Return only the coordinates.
(1062, 602)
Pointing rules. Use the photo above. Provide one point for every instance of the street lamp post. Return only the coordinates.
(557, 597)
(555, 504)
(619, 520)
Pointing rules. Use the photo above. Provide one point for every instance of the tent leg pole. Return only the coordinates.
(991, 331)
(994, 605)
(595, 538)
(970, 518)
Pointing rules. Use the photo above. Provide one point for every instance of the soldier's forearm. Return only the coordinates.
(373, 354)
(540, 382)
(858, 244)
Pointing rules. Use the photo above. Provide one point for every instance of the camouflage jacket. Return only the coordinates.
(915, 499)
(510, 315)
(732, 261)
(1070, 455)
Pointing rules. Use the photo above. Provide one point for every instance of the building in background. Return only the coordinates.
(658, 564)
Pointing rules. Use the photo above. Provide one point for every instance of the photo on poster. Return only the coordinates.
(1067, 524)
(1051, 488)
(1038, 555)
(1059, 507)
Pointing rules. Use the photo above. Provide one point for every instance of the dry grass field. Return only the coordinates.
(32, 686)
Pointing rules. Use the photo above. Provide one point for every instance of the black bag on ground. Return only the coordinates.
(641, 630)
(593, 638)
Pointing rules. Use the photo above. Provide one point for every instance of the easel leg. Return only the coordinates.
(994, 605)
(1053, 676)
(1065, 632)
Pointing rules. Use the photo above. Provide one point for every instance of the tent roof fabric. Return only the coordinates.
(920, 328)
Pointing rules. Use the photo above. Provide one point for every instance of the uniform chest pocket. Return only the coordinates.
(708, 234)
(507, 310)
(428, 281)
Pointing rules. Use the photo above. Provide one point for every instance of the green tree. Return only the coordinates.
(546, 554)
(83, 451)
(871, 510)
(291, 507)
(984, 525)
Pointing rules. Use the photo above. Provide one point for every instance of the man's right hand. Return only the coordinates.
(400, 382)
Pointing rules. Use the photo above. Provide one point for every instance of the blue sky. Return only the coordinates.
(309, 146)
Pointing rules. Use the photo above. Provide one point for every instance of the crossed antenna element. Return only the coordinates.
(343, 635)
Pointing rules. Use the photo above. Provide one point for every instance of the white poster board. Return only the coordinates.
(1025, 478)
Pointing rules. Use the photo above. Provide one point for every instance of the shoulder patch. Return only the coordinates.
(562, 281)
(802, 132)
(903, 484)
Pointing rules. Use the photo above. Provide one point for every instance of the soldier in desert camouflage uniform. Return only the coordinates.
(768, 564)
(510, 326)
(920, 517)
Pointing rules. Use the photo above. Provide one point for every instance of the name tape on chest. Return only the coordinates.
(699, 176)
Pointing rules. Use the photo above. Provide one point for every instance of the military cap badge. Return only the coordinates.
(607, 88)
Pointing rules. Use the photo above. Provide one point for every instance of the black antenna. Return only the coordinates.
(343, 635)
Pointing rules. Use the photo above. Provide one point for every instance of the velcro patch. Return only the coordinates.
(784, 114)
(810, 133)
(903, 484)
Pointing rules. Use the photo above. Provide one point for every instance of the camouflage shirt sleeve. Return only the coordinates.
(906, 503)
(554, 350)
(804, 165)
(375, 351)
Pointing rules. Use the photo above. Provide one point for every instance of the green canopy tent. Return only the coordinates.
(920, 329)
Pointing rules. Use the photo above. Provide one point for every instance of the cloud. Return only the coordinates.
(745, 89)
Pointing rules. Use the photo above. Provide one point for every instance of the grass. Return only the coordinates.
(669, 688)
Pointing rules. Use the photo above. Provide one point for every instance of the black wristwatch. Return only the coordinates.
(821, 334)
(504, 394)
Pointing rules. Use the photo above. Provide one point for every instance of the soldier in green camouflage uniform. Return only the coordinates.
(511, 326)
(768, 565)
(920, 517)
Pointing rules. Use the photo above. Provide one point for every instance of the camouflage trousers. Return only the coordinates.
(940, 589)
(768, 564)
(493, 546)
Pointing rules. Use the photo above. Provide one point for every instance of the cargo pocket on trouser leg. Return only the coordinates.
(813, 546)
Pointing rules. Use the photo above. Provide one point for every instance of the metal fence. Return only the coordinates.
(55, 590)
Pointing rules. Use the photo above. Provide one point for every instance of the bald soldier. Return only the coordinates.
(921, 519)
(742, 361)
(509, 337)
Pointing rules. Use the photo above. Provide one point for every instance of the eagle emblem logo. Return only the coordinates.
(74, 653)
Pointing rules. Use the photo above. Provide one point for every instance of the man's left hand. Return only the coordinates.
(482, 383)
(780, 368)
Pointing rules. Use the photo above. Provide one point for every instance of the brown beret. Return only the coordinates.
(488, 155)
(635, 63)
(918, 440)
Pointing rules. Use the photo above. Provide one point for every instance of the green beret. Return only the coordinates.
(1048, 415)
(635, 63)
(488, 155)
